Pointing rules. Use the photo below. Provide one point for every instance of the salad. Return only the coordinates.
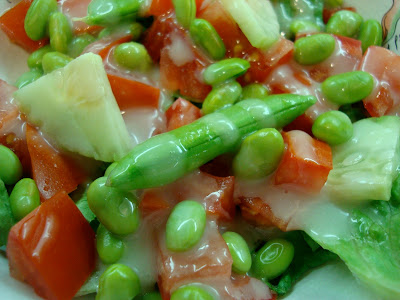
(208, 149)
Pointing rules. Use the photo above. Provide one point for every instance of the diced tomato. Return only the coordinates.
(153, 200)
(305, 163)
(302, 122)
(161, 7)
(106, 50)
(53, 172)
(12, 23)
(53, 249)
(181, 113)
(130, 93)
(329, 12)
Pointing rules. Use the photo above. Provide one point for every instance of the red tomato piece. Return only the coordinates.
(130, 93)
(305, 163)
(180, 113)
(153, 200)
(302, 122)
(12, 23)
(53, 249)
(52, 171)
(160, 7)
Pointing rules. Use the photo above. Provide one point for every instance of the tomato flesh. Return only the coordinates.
(181, 113)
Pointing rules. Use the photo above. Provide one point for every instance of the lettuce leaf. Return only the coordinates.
(6, 217)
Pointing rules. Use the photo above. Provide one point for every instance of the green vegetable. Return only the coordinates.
(150, 296)
(239, 251)
(166, 157)
(254, 91)
(24, 198)
(303, 26)
(185, 11)
(84, 208)
(6, 216)
(54, 60)
(191, 293)
(259, 154)
(344, 22)
(222, 95)
(110, 168)
(37, 18)
(347, 88)
(134, 56)
(333, 3)
(118, 282)
(79, 43)
(370, 34)
(135, 29)
(185, 226)
(365, 166)
(308, 10)
(225, 69)
(28, 77)
(109, 247)
(206, 37)
(284, 14)
(314, 49)
(355, 111)
(10, 166)
(116, 209)
(60, 32)
(333, 127)
(395, 191)
(35, 59)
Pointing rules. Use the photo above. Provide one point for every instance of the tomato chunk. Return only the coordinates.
(53, 249)
(181, 113)
(306, 162)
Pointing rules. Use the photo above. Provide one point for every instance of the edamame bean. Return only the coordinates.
(10, 166)
(133, 56)
(116, 209)
(206, 37)
(54, 60)
(224, 70)
(333, 127)
(135, 29)
(370, 34)
(110, 168)
(60, 32)
(221, 96)
(254, 91)
(185, 11)
(191, 292)
(24, 198)
(37, 17)
(28, 77)
(314, 49)
(109, 247)
(333, 3)
(259, 154)
(344, 22)
(79, 43)
(348, 87)
(185, 226)
(35, 59)
(273, 259)
(118, 282)
(240, 252)
(303, 26)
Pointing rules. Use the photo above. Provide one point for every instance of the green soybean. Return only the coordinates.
(314, 49)
(333, 127)
(191, 293)
(24, 198)
(348, 87)
(185, 226)
(28, 77)
(116, 209)
(333, 3)
(222, 95)
(133, 56)
(37, 17)
(185, 11)
(370, 34)
(224, 70)
(303, 26)
(35, 59)
(109, 247)
(206, 37)
(110, 168)
(259, 154)
(79, 43)
(344, 22)
(54, 60)
(118, 282)
(10, 166)
(239, 251)
(135, 29)
(254, 91)
(273, 259)
(60, 32)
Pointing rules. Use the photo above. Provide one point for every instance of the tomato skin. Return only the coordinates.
(181, 113)
(53, 249)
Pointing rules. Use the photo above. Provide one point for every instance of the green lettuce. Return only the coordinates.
(6, 217)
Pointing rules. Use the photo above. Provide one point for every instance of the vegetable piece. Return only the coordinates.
(185, 11)
(257, 20)
(185, 226)
(160, 7)
(39, 246)
(35, 59)
(10, 166)
(225, 69)
(344, 22)
(24, 198)
(370, 34)
(79, 43)
(84, 208)
(6, 216)
(93, 125)
(191, 292)
(28, 77)
(181, 113)
(259, 154)
(314, 49)
(239, 251)
(116, 209)
(273, 258)
(333, 3)
(170, 155)
(333, 127)
(134, 29)
(60, 32)
(109, 247)
(303, 26)
(254, 90)
(106, 50)
(120, 282)
(150, 296)
(221, 96)
(365, 166)
(133, 56)
(54, 60)
(305, 163)
(395, 191)
(37, 18)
